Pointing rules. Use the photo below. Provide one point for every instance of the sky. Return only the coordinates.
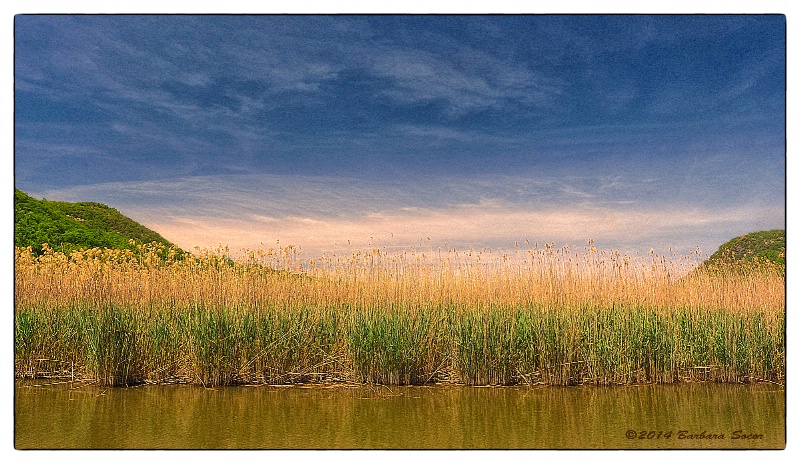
(336, 133)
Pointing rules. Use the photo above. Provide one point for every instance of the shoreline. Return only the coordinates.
(493, 346)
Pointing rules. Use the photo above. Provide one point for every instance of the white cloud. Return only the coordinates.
(322, 214)
(484, 225)
(466, 80)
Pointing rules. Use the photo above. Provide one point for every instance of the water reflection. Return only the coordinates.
(161, 417)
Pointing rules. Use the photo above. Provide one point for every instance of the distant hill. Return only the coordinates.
(767, 245)
(69, 226)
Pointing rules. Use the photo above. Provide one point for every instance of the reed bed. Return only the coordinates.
(555, 316)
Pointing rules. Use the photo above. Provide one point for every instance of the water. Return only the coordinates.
(70, 415)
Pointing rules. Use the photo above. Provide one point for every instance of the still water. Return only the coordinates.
(68, 415)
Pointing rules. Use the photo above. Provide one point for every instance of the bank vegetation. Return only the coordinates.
(538, 315)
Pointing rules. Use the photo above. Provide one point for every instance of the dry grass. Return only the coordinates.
(542, 315)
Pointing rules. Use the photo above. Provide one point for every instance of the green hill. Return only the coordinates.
(69, 226)
(765, 246)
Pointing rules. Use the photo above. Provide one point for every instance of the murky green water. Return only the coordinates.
(73, 416)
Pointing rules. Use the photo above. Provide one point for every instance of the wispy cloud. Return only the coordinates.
(484, 225)
(333, 215)
(468, 81)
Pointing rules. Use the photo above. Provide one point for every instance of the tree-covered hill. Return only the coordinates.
(768, 246)
(69, 226)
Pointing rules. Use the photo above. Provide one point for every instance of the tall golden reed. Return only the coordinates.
(549, 315)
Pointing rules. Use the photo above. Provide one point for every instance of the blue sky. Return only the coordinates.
(342, 132)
